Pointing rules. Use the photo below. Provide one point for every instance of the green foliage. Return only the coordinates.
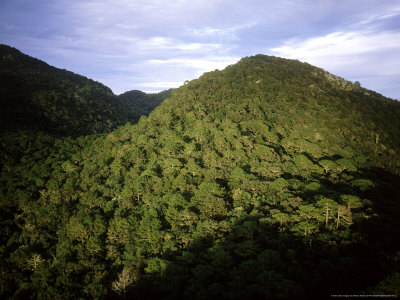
(35, 95)
(253, 182)
(142, 103)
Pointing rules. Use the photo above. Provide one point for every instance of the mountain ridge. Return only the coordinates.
(143, 103)
(37, 95)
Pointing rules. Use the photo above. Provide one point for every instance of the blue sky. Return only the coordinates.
(153, 45)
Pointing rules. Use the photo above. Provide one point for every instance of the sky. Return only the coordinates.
(152, 45)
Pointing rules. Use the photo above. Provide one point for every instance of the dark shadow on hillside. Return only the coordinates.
(254, 259)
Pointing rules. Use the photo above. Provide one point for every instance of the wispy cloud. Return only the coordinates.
(160, 84)
(199, 65)
(335, 47)
(366, 55)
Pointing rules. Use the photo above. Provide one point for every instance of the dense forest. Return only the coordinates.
(143, 103)
(269, 179)
(34, 95)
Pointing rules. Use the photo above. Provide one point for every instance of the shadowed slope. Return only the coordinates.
(34, 95)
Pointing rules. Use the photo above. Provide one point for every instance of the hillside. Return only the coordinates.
(269, 179)
(143, 103)
(35, 95)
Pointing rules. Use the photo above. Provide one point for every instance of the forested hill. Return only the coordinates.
(269, 179)
(35, 95)
(143, 103)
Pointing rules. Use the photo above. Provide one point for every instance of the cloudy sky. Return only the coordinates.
(153, 45)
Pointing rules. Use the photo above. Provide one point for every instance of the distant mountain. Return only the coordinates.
(143, 103)
(34, 95)
(269, 179)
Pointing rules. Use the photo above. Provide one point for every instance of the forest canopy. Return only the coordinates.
(269, 179)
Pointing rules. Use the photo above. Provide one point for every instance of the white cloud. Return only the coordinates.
(352, 55)
(340, 49)
(200, 65)
(205, 31)
(160, 85)
(164, 43)
(381, 14)
(339, 44)
(225, 33)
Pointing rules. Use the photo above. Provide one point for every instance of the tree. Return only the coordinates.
(266, 153)
(341, 213)
(193, 168)
(280, 217)
(329, 165)
(125, 279)
(35, 260)
(328, 206)
(352, 202)
(208, 199)
(237, 177)
(305, 227)
(346, 164)
(305, 165)
(309, 212)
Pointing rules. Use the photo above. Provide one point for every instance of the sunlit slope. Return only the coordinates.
(303, 106)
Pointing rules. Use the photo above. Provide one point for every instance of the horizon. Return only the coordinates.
(149, 46)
